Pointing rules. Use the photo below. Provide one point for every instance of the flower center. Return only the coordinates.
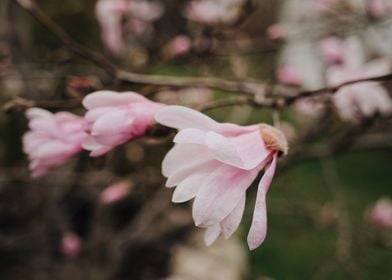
(273, 138)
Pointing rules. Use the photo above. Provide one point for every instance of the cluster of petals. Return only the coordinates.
(114, 118)
(362, 99)
(215, 163)
(111, 14)
(52, 139)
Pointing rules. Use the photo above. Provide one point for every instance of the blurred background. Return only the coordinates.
(330, 209)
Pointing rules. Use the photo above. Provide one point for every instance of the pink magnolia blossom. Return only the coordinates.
(70, 245)
(110, 14)
(381, 214)
(115, 192)
(215, 163)
(114, 118)
(362, 99)
(379, 8)
(52, 139)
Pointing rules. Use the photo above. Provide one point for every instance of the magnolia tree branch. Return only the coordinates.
(261, 94)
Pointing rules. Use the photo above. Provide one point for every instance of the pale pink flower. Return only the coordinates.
(115, 192)
(70, 245)
(110, 14)
(362, 99)
(379, 8)
(381, 213)
(332, 48)
(275, 32)
(52, 139)
(114, 118)
(215, 163)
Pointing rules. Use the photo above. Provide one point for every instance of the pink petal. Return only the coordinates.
(211, 234)
(113, 128)
(179, 156)
(258, 229)
(34, 113)
(189, 187)
(230, 224)
(97, 149)
(182, 117)
(110, 98)
(245, 151)
(201, 165)
(220, 193)
(190, 136)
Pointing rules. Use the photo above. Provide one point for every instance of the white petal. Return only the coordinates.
(220, 193)
(190, 136)
(258, 229)
(230, 224)
(211, 234)
(181, 117)
(111, 98)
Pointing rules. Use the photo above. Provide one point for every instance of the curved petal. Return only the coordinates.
(258, 229)
(34, 112)
(181, 117)
(245, 151)
(230, 224)
(211, 234)
(190, 136)
(178, 157)
(105, 98)
(220, 193)
(111, 128)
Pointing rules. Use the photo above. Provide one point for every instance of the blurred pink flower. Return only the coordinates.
(215, 163)
(309, 107)
(379, 8)
(52, 139)
(332, 49)
(381, 213)
(115, 192)
(70, 245)
(110, 14)
(275, 32)
(114, 118)
(178, 46)
(362, 99)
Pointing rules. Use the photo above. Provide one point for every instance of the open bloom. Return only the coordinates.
(52, 139)
(362, 99)
(114, 118)
(215, 163)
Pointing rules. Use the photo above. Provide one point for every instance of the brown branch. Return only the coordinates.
(262, 94)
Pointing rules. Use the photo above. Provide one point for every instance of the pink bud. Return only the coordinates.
(381, 213)
(115, 192)
(275, 32)
(70, 245)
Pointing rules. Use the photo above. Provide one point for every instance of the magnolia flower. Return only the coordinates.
(379, 8)
(381, 214)
(114, 118)
(332, 48)
(215, 163)
(362, 99)
(52, 139)
(178, 46)
(110, 14)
